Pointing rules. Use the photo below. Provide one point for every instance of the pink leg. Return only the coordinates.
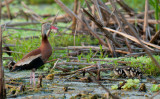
(34, 81)
(31, 79)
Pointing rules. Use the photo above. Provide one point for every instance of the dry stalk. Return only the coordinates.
(8, 10)
(134, 39)
(107, 90)
(2, 80)
(137, 38)
(145, 25)
(155, 37)
(4, 3)
(32, 13)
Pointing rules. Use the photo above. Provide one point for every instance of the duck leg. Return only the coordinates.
(34, 81)
(31, 78)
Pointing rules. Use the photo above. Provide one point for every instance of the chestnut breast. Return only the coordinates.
(46, 49)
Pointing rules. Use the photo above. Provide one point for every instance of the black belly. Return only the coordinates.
(36, 63)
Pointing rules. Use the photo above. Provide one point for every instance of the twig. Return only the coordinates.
(133, 20)
(22, 29)
(98, 71)
(137, 38)
(73, 63)
(0, 10)
(33, 14)
(55, 64)
(89, 47)
(100, 25)
(52, 23)
(21, 24)
(99, 11)
(133, 38)
(5, 3)
(128, 9)
(2, 79)
(157, 93)
(67, 10)
(74, 20)
(51, 60)
(94, 34)
(107, 90)
(155, 37)
(145, 25)
(8, 10)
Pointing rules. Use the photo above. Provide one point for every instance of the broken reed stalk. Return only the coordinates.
(134, 39)
(2, 80)
(74, 20)
(137, 38)
(67, 10)
(155, 37)
(100, 25)
(128, 9)
(99, 11)
(8, 10)
(115, 14)
(0, 10)
(22, 24)
(39, 85)
(26, 29)
(8, 2)
(32, 13)
(98, 71)
(107, 90)
(134, 20)
(145, 25)
(157, 93)
(85, 24)
(54, 20)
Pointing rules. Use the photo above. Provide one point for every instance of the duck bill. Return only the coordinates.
(54, 28)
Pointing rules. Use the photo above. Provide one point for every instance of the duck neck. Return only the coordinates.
(44, 33)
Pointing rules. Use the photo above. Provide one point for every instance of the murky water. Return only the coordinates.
(55, 88)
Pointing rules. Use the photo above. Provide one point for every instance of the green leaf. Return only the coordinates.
(154, 88)
(137, 81)
(114, 87)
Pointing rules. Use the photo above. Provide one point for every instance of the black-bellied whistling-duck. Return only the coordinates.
(37, 57)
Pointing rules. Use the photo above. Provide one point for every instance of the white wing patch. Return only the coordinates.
(27, 60)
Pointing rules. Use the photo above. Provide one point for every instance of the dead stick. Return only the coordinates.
(8, 10)
(94, 34)
(134, 20)
(73, 14)
(133, 38)
(51, 60)
(2, 80)
(33, 14)
(145, 25)
(107, 90)
(0, 10)
(155, 37)
(4, 2)
(157, 93)
(99, 11)
(137, 37)
(100, 25)
(22, 24)
(98, 71)
(22, 29)
(52, 23)
(74, 20)
(67, 10)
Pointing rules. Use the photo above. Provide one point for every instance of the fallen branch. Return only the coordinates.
(107, 90)
(133, 38)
